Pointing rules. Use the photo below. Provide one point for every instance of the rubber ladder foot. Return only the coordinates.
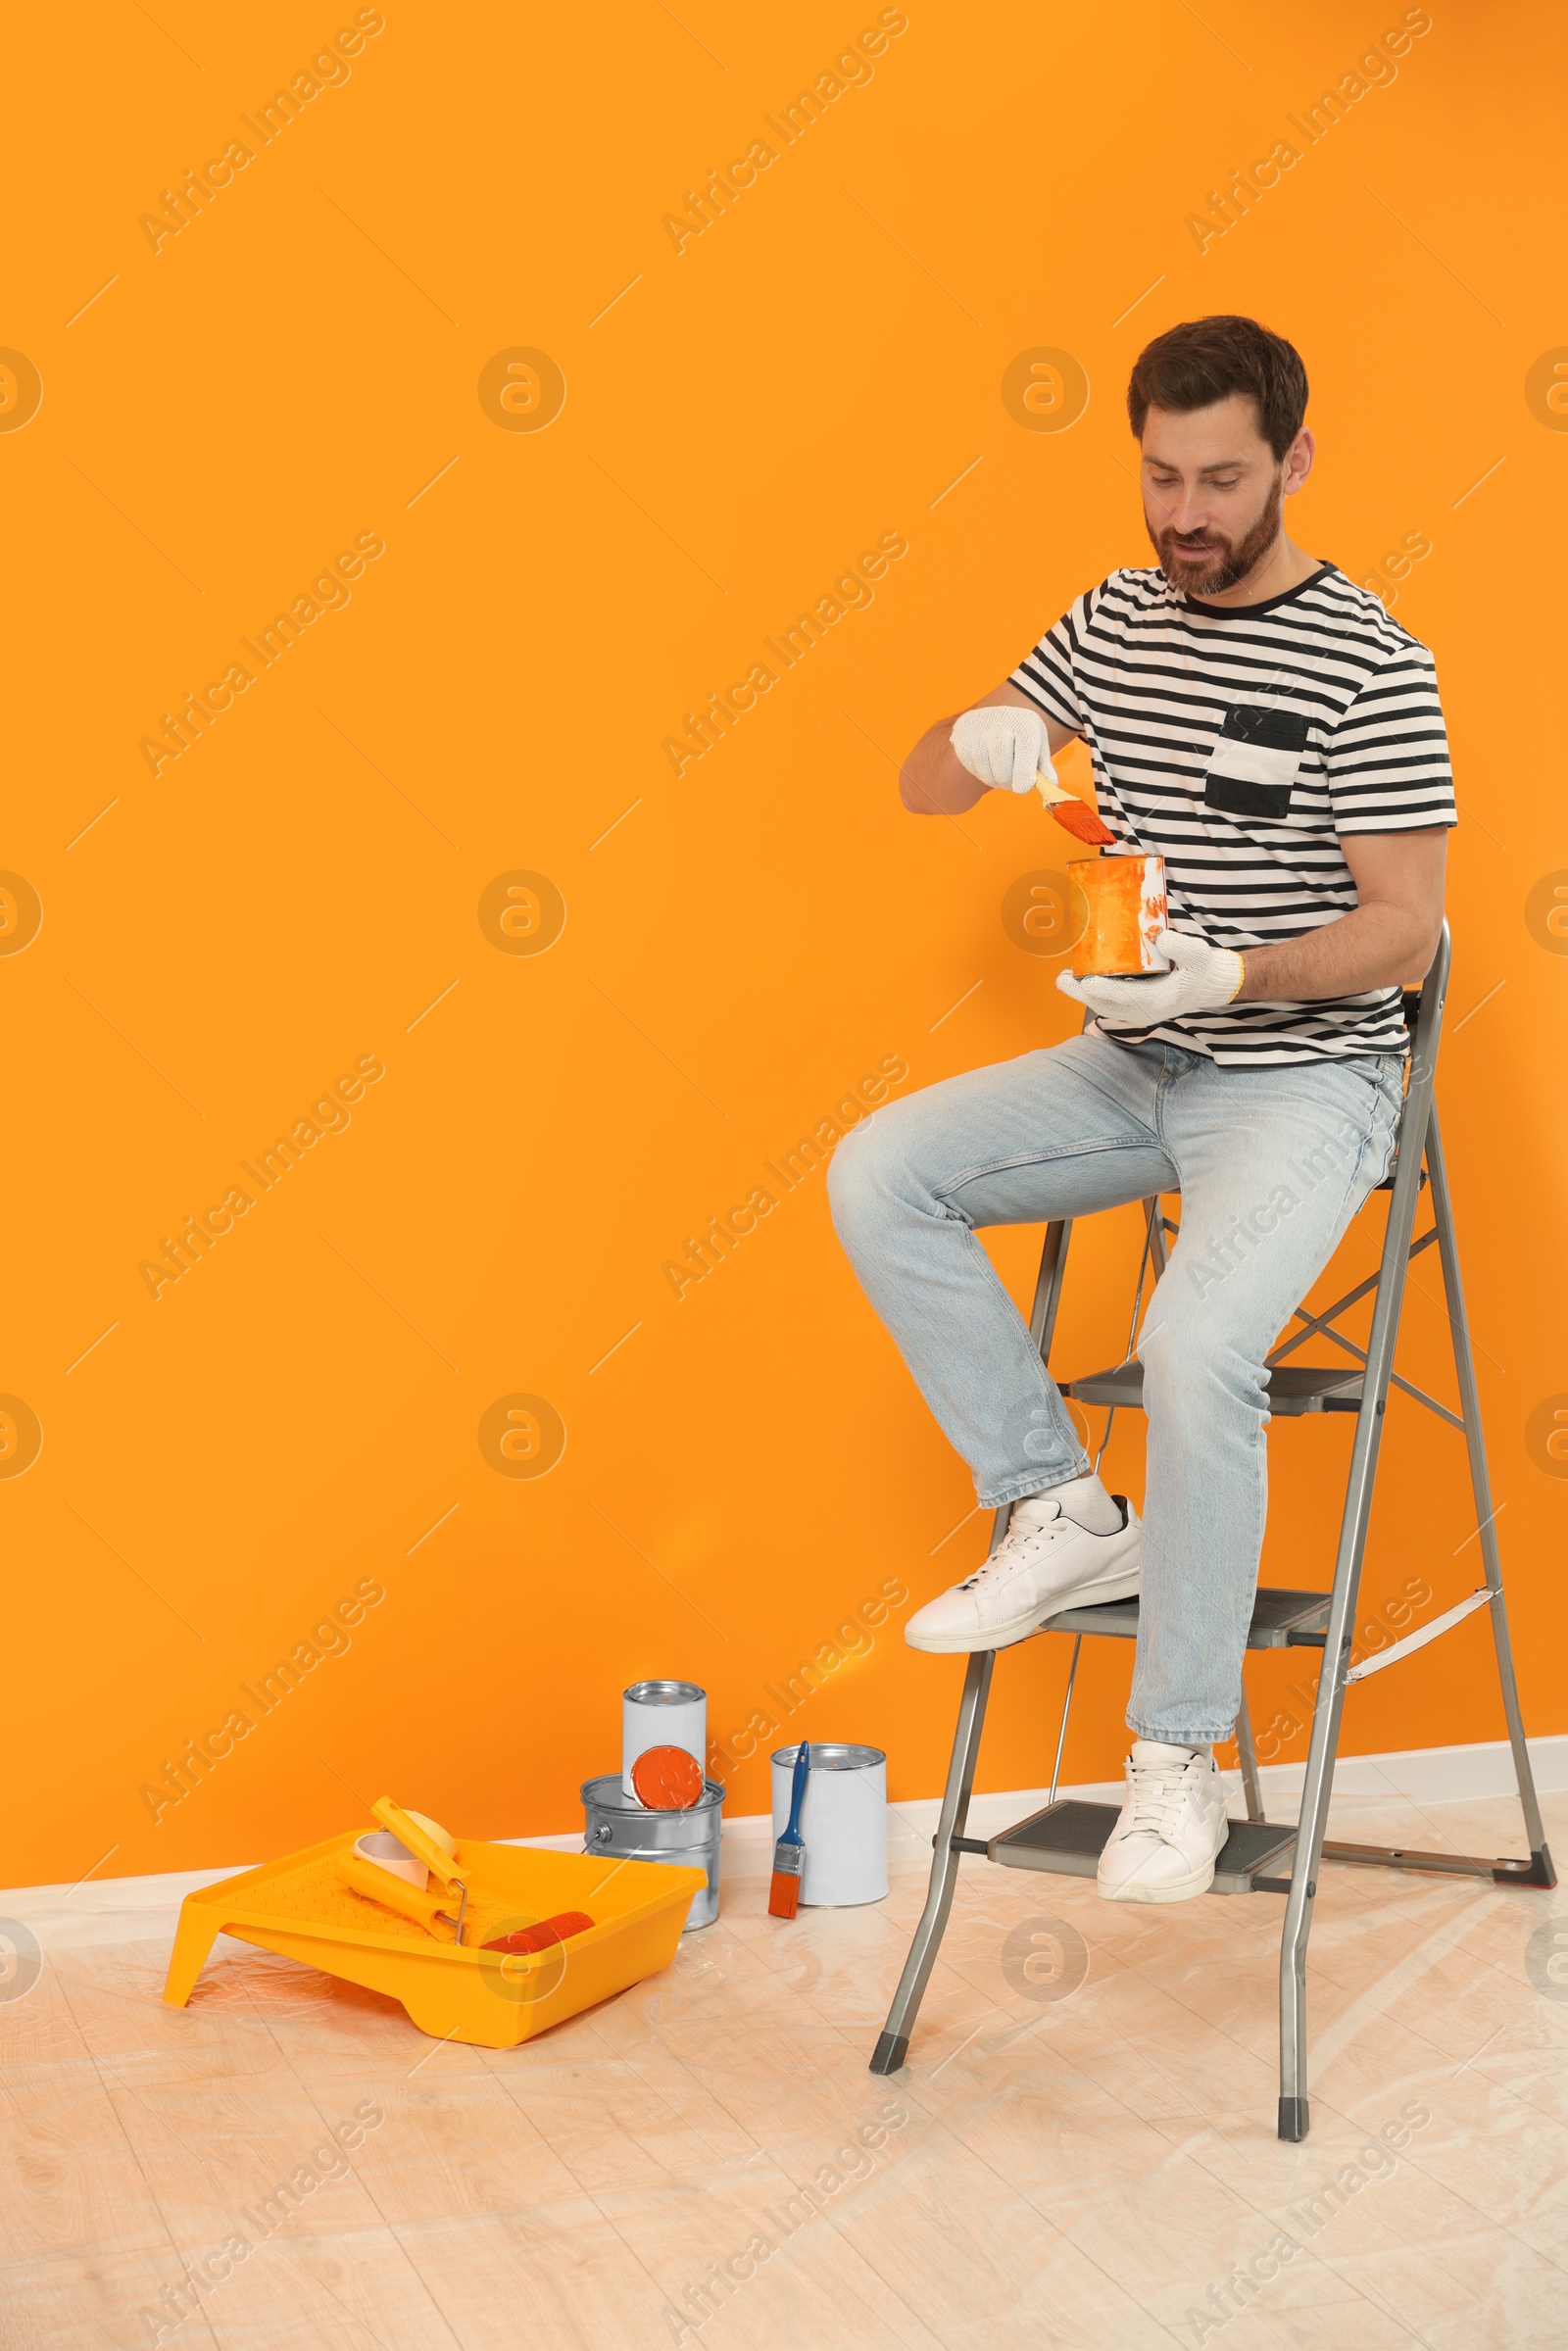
(1540, 1871)
(891, 2051)
(1295, 2118)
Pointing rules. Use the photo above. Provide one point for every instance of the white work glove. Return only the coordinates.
(1200, 979)
(1004, 746)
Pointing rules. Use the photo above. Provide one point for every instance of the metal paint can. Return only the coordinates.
(1118, 910)
(844, 1822)
(615, 1824)
(661, 1714)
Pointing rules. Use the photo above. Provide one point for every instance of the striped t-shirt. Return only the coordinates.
(1241, 744)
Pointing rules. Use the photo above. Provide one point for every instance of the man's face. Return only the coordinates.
(1213, 491)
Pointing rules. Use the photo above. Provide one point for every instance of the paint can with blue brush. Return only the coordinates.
(844, 1822)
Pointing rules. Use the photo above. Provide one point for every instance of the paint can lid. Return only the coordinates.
(667, 1778)
(664, 1694)
(833, 1756)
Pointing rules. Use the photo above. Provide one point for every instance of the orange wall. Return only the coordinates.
(316, 884)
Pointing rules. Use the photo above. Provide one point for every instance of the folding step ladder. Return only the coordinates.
(1259, 1857)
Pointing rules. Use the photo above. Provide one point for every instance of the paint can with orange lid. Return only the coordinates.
(622, 1827)
(662, 1714)
(1117, 911)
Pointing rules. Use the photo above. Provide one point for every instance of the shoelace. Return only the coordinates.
(1016, 1545)
(1157, 1792)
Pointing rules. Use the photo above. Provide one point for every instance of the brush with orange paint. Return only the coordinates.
(789, 1854)
(1076, 816)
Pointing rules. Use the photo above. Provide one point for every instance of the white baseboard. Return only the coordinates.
(1434, 1775)
(1420, 1774)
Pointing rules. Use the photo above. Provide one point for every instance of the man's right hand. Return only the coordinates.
(1003, 746)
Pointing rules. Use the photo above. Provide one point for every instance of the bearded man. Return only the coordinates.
(1264, 726)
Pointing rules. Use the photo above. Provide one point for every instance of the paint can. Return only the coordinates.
(1118, 912)
(614, 1824)
(661, 1714)
(844, 1822)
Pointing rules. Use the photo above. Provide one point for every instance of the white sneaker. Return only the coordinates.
(1067, 1548)
(1170, 1831)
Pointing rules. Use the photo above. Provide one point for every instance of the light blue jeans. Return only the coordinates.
(1271, 1165)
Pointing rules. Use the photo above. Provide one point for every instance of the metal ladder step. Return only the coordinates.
(1282, 1619)
(1293, 1388)
(1068, 1836)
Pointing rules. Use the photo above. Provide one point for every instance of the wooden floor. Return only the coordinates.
(1097, 2168)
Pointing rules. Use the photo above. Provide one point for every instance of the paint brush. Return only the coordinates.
(1076, 816)
(789, 1854)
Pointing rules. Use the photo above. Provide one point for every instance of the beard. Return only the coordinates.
(1220, 562)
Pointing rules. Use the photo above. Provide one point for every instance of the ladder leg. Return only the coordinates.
(893, 2046)
(1066, 1709)
(1543, 1872)
(1048, 1285)
(1326, 1714)
(1156, 1236)
(1247, 1755)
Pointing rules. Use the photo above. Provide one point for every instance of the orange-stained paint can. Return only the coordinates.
(1118, 912)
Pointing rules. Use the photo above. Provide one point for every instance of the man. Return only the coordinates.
(1277, 738)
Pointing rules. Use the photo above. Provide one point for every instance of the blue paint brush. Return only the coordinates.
(789, 1854)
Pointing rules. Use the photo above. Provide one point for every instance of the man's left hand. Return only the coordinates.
(1200, 979)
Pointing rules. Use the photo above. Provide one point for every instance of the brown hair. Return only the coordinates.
(1204, 360)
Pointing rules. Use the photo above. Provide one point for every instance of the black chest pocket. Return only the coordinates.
(1253, 767)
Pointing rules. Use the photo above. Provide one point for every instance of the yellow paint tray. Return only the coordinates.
(301, 1907)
